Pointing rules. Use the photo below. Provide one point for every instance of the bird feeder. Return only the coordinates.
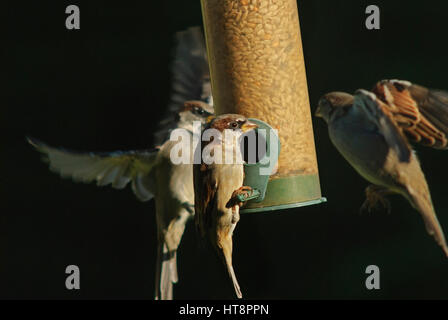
(258, 70)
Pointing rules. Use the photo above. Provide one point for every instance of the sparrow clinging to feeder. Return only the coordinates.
(151, 172)
(372, 131)
(216, 187)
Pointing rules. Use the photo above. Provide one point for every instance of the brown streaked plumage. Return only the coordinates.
(370, 130)
(422, 113)
(216, 186)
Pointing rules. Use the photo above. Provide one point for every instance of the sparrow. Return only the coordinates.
(151, 172)
(190, 82)
(373, 131)
(217, 186)
(174, 200)
(190, 79)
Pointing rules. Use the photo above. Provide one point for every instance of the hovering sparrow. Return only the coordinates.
(151, 175)
(174, 199)
(371, 131)
(190, 82)
(151, 172)
(216, 188)
(190, 79)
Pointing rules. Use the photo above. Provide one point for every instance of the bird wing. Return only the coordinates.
(190, 79)
(381, 116)
(205, 188)
(116, 168)
(422, 113)
(408, 173)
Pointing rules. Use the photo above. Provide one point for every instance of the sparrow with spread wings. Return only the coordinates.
(373, 131)
(151, 172)
(216, 187)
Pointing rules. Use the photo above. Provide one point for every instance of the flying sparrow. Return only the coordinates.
(190, 79)
(151, 172)
(216, 187)
(372, 131)
(190, 82)
(174, 199)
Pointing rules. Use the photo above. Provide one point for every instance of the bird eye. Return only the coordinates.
(234, 125)
(199, 111)
(323, 101)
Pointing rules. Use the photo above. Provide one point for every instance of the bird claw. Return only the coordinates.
(189, 207)
(244, 191)
(374, 199)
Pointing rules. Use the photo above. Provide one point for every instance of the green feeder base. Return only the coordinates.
(288, 192)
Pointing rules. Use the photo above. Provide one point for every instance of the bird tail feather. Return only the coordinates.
(423, 204)
(166, 273)
(227, 253)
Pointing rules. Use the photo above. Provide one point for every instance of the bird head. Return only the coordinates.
(231, 128)
(331, 102)
(234, 122)
(194, 111)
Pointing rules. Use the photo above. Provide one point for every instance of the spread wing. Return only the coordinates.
(422, 113)
(380, 115)
(190, 79)
(116, 168)
(204, 197)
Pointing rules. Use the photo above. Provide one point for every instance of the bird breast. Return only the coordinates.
(175, 180)
(361, 145)
(228, 177)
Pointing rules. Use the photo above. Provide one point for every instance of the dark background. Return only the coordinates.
(104, 88)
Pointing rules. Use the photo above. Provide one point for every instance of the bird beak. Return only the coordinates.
(209, 118)
(317, 113)
(247, 126)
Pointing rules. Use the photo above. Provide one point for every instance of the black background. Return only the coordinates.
(104, 87)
